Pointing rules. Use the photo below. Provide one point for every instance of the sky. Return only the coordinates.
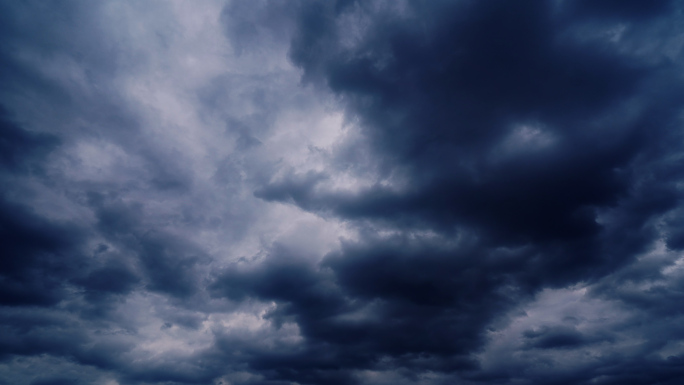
(282, 192)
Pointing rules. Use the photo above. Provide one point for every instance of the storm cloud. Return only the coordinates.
(341, 192)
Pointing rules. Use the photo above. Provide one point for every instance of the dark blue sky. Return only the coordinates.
(341, 192)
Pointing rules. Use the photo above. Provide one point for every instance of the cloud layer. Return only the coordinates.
(272, 192)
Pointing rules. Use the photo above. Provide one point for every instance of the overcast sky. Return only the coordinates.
(341, 192)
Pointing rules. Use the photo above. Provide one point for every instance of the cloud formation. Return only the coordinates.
(272, 192)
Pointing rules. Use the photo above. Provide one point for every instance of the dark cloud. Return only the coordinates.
(560, 337)
(416, 304)
(22, 151)
(56, 381)
(38, 254)
(111, 279)
(514, 123)
(629, 10)
(168, 262)
(486, 116)
(37, 257)
(343, 192)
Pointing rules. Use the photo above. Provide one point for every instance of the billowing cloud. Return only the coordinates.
(347, 192)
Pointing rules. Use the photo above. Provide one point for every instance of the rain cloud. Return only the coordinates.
(341, 192)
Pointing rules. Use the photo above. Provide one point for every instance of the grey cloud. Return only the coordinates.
(341, 192)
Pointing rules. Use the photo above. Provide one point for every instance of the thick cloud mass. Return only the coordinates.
(341, 192)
